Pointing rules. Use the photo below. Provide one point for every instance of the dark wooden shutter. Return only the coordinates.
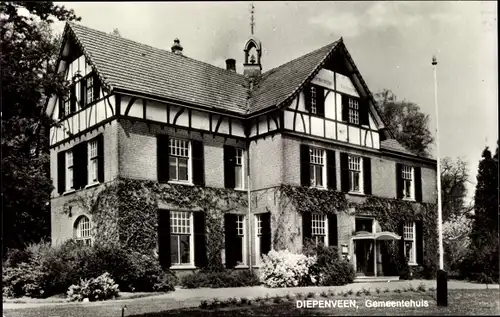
(72, 98)
(83, 93)
(164, 238)
(100, 158)
(418, 184)
(364, 112)
(198, 163)
(332, 230)
(162, 163)
(307, 97)
(305, 173)
(367, 175)
(80, 160)
(401, 242)
(344, 172)
(61, 107)
(229, 162)
(200, 246)
(97, 87)
(231, 239)
(419, 230)
(320, 101)
(331, 174)
(306, 227)
(399, 181)
(61, 172)
(265, 236)
(345, 108)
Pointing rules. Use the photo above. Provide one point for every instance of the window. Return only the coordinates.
(319, 232)
(181, 238)
(317, 170)
(409, 238)
(353, 111)
(89, 90)
(258, 234)
(83, 231)
(355, 174)
(238, 169)
(66, 105)
(313, 100)
(69, 170)
(408, 188)
(240, 232)
(93, 162)
(178, 160)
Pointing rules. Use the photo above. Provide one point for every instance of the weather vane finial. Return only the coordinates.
(252, 22)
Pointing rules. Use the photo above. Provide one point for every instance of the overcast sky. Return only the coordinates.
(392, 44)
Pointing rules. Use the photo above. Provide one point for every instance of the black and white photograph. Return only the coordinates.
(266, 158)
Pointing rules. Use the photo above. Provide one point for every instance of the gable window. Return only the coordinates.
(317, 169)
(69, 170)
(89, 89)
(353, 111)
(408, 188)
(313, 100)
(179, 160)
(409, 240)
(234, 167)
(355, 174)
(181, 238)
(83, 231)
(93, 162)
(66, 109)
(240, 235)
(319, 227)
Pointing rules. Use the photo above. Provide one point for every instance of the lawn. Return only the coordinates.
(460, 302)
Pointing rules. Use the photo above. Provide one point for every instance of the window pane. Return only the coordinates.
(174, 249)
(183, 169)
(239, 256)
(172, 169)
(185, 249)
(319, 175)
(238, 176)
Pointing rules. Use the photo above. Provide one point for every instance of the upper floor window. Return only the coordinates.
(314, 99)
(319, 226)
(69, 170)
(355, 173)
(409, 182)
(409, 239)
(408, 188)
(238, 169)
(83, 230)
(317, 169)
(353, 111)
(89, 89)
(234, 171)
(179, 160)
(93, 162)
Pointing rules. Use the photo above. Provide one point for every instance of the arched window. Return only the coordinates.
(83, 230)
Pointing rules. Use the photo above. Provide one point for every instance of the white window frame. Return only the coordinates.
(257, 235)
(360, 171)
(241, 229)
(189, 162)
(90, 88)
(317, 157)
(353, 111)
(83, 230)
(409, 232)
(408, 174)
(93, 162)
(314, 93)
(319, 228)
(69, 170)
(191, 238)
(239, 160)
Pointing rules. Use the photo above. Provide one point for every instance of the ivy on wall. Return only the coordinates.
(125, 211)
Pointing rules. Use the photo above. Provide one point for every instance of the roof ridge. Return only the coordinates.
(72, 24)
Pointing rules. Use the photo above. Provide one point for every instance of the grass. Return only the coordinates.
(465, 302)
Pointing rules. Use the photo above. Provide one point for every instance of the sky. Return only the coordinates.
(392, 44)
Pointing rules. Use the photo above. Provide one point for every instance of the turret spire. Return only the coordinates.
(252, 19)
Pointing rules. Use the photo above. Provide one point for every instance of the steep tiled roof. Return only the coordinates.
(128, 65)
(277, 84)
(395, 146)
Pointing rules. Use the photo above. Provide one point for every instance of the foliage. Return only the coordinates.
(100, 288)
(482, 261)
(309, 199)
(286, 269)
(226, 278)
(330, 268)
(406, 122)
(456, 242)
(27, 63)
(25, 279)
(454, 175)
(125, 211)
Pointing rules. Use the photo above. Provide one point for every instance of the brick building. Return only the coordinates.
(141, 113)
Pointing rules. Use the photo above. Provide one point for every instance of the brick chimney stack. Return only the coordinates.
(231, 64)
(177, 47)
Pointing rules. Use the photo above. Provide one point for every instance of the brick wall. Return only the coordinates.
(266, 162)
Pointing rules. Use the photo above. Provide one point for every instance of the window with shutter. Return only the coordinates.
(179, 157)
(181, 238)
(319, 229)
(262, 235)
(317, 168)
(234, 167)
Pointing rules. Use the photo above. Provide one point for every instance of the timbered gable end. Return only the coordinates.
(332, 107)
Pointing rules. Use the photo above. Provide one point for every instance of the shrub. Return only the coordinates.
(214, 279)
(286, 269)
(100, 288)
(26, 279)
(330, 267)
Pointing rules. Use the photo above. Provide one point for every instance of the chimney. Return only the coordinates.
(177, 47)
(231, 64)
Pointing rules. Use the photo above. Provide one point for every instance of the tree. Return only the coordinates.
(405, 121)
(454, 175)
(27, 62)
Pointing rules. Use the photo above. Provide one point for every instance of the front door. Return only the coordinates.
(364, 257)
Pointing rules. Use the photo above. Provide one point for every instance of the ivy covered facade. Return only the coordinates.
(209, 168)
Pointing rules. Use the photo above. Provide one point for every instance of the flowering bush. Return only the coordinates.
(99, 288)
(286, 269)
(330, 268)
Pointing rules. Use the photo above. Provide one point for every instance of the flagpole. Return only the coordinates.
(442, 278)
